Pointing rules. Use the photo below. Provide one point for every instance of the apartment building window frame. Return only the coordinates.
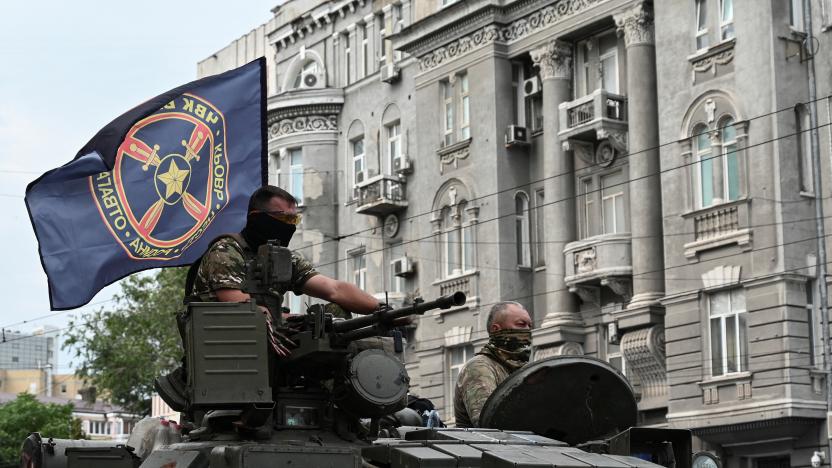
(609, 56)
(591, 73)
(359, 162)
(395, 283)
(796, 15)
(366, 64)
(358, 267)
(522, 230)
(712, 147)
(393, 133)
(296, 173)
(729, 320)
(726, 20)
(456, 108)
(381, 54)
(457, 356)
(701, 24)
(347, 60)
(458, 243)
(593, 199)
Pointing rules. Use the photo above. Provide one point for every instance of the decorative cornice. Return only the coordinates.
(718, 55)
(636, 25)
(303, 124)
(516, 30)
(283, 113)
(554, 59)
(289, 34)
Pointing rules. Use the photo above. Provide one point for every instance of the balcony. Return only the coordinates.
(604, 260)
(381, 195)
(594, 116)
(718, 226)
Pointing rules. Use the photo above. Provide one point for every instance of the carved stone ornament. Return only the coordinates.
(553, 59)
(605, 154)
(618, 138)
(588, 294)
(620, 286)
(712, 62)
(585, 261)
(645, 354)
(636, 25)
(303, 124)
(453, 157)
(540, 19)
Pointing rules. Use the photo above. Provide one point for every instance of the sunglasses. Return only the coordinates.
(282, 216)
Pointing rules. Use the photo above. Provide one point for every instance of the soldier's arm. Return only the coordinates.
(347, 295)
(477, 382)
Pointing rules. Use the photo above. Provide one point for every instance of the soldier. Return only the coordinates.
(221, 273)
(508, 349)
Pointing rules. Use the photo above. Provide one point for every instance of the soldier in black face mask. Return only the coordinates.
(221, 273)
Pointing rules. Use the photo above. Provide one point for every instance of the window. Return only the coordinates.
(612, 201)
(730, 160)
(796, 14)
(457, 240)
(296, 174)
(522, 230)
(394, 144)
(358, 160)
(382, 42)
(456, 109)
(294, 303)
(726, 19)
(365, 50)
(99, 427)
(457, 357)
(540, 228)
(63, 388)
(608, 61)
(702, 24)
(448, 112)
(587, 208)
(804, 154)
(347, 60)
(359, 269)
(395, 283)
(15, 359)
(464, 109)
(705, 164)
(726, 310)
(814, 319)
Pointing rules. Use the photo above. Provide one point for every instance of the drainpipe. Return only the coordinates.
(821, 235)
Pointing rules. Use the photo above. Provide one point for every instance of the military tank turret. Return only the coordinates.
(321, 406)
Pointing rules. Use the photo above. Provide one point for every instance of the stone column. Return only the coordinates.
(636, 25)
(554, 59)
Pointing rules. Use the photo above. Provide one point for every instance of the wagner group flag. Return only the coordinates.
(153, 187)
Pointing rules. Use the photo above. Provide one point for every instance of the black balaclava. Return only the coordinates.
(261, 227)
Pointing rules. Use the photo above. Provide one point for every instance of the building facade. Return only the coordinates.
(28, 350)
(637, 175)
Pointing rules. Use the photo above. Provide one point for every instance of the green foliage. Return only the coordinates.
(26, 414)
(122, 350)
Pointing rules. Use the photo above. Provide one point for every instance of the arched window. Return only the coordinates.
(458, 244)
(306, 70)
(717, 163)
(522, 229)
(730, 160)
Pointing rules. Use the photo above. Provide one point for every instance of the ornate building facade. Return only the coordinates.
(636, 175)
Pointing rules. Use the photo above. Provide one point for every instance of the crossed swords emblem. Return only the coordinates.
(152, 158)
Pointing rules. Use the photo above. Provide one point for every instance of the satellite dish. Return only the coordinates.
(310, 80)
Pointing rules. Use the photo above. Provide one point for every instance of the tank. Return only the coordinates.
(339, 401)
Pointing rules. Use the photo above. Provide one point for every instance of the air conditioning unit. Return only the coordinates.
(531, 86)
(516, 135)
(310, 80)
(390, 73)
(401, 165)
(403, 266)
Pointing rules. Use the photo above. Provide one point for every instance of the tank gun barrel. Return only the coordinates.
(386, 317)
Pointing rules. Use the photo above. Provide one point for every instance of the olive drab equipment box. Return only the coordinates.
(227, 356)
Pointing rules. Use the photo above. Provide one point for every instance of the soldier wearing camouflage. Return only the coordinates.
(508, 349)
(224, 267)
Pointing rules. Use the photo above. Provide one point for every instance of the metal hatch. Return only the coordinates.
(569, 398)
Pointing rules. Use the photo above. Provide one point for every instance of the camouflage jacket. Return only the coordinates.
(475, 384)
(224, 267)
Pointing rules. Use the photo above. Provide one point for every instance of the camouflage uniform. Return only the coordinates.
(224, 267)
(477, 381)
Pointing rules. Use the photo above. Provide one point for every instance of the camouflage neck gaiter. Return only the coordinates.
(512, 348)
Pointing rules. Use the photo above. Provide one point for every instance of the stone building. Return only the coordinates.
(630, 174)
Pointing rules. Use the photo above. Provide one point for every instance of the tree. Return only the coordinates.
(26, 414)
(122, 350)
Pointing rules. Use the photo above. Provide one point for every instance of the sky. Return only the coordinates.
(66, 70)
